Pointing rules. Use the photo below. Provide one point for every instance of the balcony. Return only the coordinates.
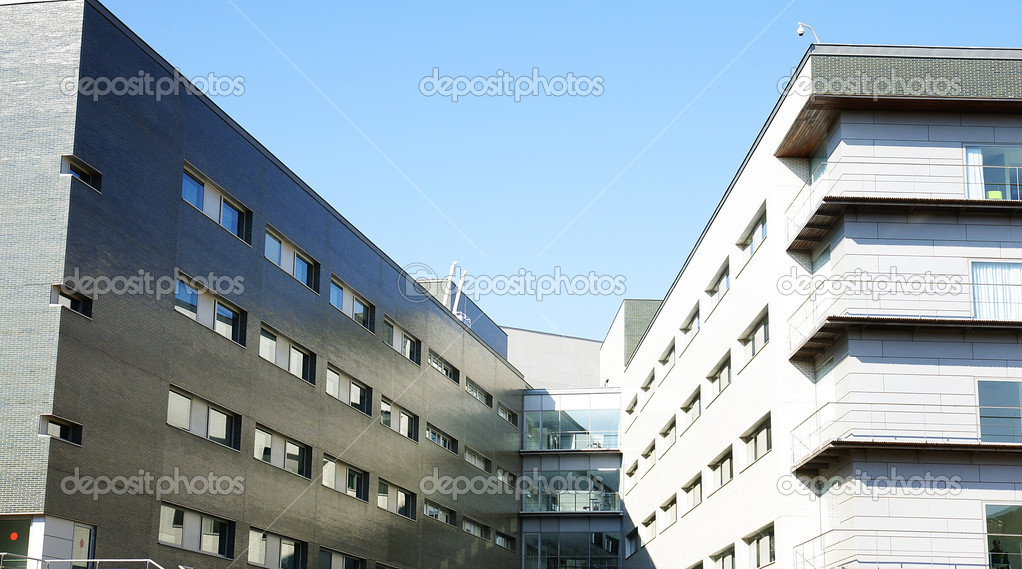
(913, 300)
(571, 502)
(836, 187)
(561, 441)
(838, 427)
(900, 549)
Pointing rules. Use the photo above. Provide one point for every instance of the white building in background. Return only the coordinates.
(554, 361)
(834, 378)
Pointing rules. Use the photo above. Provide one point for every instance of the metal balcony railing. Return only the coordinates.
(904, 422)
(572, 502)
(899, 549)
(901, 295)
(15, 561)
(572, 440)
(900, 180)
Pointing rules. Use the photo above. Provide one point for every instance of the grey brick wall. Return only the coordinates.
(39, 46)
(112, 372)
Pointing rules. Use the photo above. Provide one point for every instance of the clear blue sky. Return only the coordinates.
(511, 176)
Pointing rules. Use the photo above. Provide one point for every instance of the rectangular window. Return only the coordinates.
(214, 203)
(362, 313)
(632, 543)
(477, 460)
(669, 434)
(345, 478)
(997, 291)
(195, 531)
(192, 191)
(691, 326)
(694, 493)
(352, 304)
(383, 495)
(507, 414)
(720, 285)
(71, 300)
(443, 367)
(217, 536)
(1000, 411)
(478, 393)
(332, 560)
(300, 364)
(475, 528)
(396, 500)
(754, 238)
(761, 548)
(172, 521)
(268, 345)
(349, 390)
(256, 547)
(650, 383)
(993, 172)
(210, 311)
(287, 256)
(441, 438)
(202, 418)
(288, 355)
(723, 470)
(228, 323)
(296, 458)
(756, 338)
(439, 513)
(220, 428)
(273, 249)
(649, 529)
(692, 409)
(759, 442)
(725, 560)
(403, 342)
(73, 166)
(669, 512)
(721, 377)
(506, 541)
(649, 456)
(263, 445)
(179, 411)
(667, 360)
(399, 419)
(186, 301)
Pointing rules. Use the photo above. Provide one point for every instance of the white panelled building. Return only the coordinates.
(834, 378)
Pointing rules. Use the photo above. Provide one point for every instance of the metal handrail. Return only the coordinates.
(895, 179)
(895, 422)
(38, 563)
(890, 295)
(908, 549)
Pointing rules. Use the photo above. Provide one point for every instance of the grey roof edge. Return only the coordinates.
(567, 336)
(939, 52)
(163, 62)
(741, 169)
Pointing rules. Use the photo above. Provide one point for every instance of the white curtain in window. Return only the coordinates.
(997, 290)
(974, 173)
